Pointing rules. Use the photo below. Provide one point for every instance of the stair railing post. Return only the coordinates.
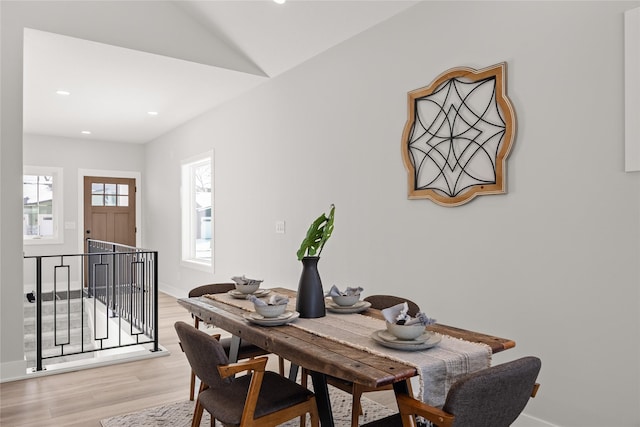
(114, 262)
(155, 302)
(39, 313)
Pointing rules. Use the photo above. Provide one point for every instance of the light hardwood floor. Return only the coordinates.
(83, 398)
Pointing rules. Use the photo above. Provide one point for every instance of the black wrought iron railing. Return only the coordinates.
(104, 299)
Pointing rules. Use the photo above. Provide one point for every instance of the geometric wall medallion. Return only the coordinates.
(458, 135)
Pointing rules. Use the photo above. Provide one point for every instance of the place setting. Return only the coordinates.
(246, 287)
(272, 312)
(404, 332)
(345, 302)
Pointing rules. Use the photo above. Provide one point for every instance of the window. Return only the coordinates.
(103, 194)
(197, 211)
(42, 205)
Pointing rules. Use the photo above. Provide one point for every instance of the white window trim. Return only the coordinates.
(186, 208)
(57, 203)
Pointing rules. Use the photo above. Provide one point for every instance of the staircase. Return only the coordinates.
(90, 327)
(72, 326)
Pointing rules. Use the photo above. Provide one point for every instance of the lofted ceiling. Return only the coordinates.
(112, 89)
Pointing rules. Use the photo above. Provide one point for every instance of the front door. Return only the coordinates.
(110, 209)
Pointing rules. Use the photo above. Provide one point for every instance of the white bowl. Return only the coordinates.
(406, 332)
(345, 300)
(270, 310)
(248, 288)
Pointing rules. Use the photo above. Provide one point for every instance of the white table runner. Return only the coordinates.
(438, 367)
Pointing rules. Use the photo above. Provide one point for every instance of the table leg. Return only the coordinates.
(401, 387)
(293, 372)
(322, 398)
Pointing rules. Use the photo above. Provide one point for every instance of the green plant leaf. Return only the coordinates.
(317, 235)
(327, 229)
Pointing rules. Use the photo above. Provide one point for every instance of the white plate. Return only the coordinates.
(285, 315)
(432, 341)
(355, 308)
(276, 321)
(388, 336)
(239, 295)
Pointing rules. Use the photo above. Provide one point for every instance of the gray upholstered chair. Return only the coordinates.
(246, 350)
(259, 398)
(356, 390)
(492, 397)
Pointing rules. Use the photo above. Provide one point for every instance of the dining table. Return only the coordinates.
(322, 354)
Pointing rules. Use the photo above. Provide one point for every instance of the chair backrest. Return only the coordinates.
(493, 397)
(213, 288)
(384, 301)
(203, 352)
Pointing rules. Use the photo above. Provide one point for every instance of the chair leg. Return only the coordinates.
(196, 324)
(197, 412)
(192, 389)
(356, 407)
(314, 416)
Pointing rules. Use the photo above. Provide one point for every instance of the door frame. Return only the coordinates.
(113, 174)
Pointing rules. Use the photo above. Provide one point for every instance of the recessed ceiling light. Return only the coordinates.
(152, 113)
(86, 132)
(280, 1)
(63, 92)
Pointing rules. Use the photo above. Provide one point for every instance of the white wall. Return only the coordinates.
(553, 264)
(158, 27)
(11, 351)
(632, 86)
(75, 156)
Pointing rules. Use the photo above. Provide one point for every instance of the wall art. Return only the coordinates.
(458, 135)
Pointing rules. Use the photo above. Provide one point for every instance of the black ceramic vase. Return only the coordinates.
(310, 299)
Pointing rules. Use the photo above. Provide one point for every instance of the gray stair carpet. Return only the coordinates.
(72, 328)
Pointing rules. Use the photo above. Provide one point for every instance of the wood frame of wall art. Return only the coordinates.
(458, 135)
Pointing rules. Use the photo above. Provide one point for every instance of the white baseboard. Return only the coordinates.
(96, 362)
(11, 371)
(525, 420)
(171, 290)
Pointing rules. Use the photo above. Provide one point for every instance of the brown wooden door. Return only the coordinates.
(110, 209)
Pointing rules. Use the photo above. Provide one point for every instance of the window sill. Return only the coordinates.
(197, 265)
(37, 242)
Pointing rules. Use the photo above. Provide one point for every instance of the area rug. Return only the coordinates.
(179, 414)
